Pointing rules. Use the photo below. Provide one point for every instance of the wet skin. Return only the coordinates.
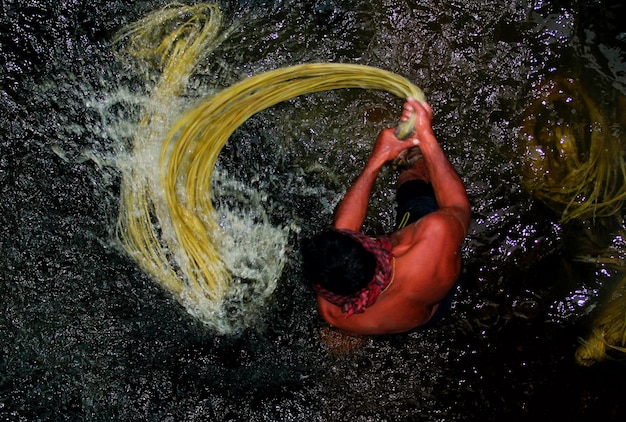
(427, 252)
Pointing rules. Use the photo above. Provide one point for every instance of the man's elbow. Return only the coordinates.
(462, 213)
(350, 324)
(330, 313)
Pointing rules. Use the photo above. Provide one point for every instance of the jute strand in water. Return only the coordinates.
(574, 162)
(607, 336)
(606, 339)
(171, 41)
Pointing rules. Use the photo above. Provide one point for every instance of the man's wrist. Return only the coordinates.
(375, 164)
(427, 139)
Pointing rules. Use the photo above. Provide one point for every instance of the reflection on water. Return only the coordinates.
(86, 335)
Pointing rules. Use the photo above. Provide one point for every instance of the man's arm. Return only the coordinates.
(449, 190)
(352, 209)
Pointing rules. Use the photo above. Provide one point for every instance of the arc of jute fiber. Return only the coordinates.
(190, 150)
(192, 147)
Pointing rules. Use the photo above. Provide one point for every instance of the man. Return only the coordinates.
(394, 283)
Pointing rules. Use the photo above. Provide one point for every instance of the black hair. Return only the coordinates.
(337, 262)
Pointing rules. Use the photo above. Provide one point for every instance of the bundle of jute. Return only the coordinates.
(607, 336)
(575, 164)
(573, 161)
(167, 219)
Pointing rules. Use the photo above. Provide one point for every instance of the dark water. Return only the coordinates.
(85, 335)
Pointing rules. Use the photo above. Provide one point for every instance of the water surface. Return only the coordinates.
(85, 335)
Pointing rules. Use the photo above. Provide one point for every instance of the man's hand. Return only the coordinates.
(352, 209)
(387, 147)
(423, 113)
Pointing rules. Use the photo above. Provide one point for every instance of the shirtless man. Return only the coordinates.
(398, 282)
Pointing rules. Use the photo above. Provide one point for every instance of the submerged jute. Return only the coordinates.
(356, 303)
(574, 162)
(167, 223)
(606, 337)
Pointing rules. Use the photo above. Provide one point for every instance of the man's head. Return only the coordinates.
(337, 262)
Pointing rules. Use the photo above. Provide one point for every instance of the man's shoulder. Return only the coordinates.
(434, 227)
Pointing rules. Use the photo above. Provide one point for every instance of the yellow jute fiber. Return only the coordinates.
(606, 339)
(574, 162)
(167, 222)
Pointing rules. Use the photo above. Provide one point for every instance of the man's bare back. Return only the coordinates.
(425, 255)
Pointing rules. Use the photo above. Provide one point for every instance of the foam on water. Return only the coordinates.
(251, 247)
